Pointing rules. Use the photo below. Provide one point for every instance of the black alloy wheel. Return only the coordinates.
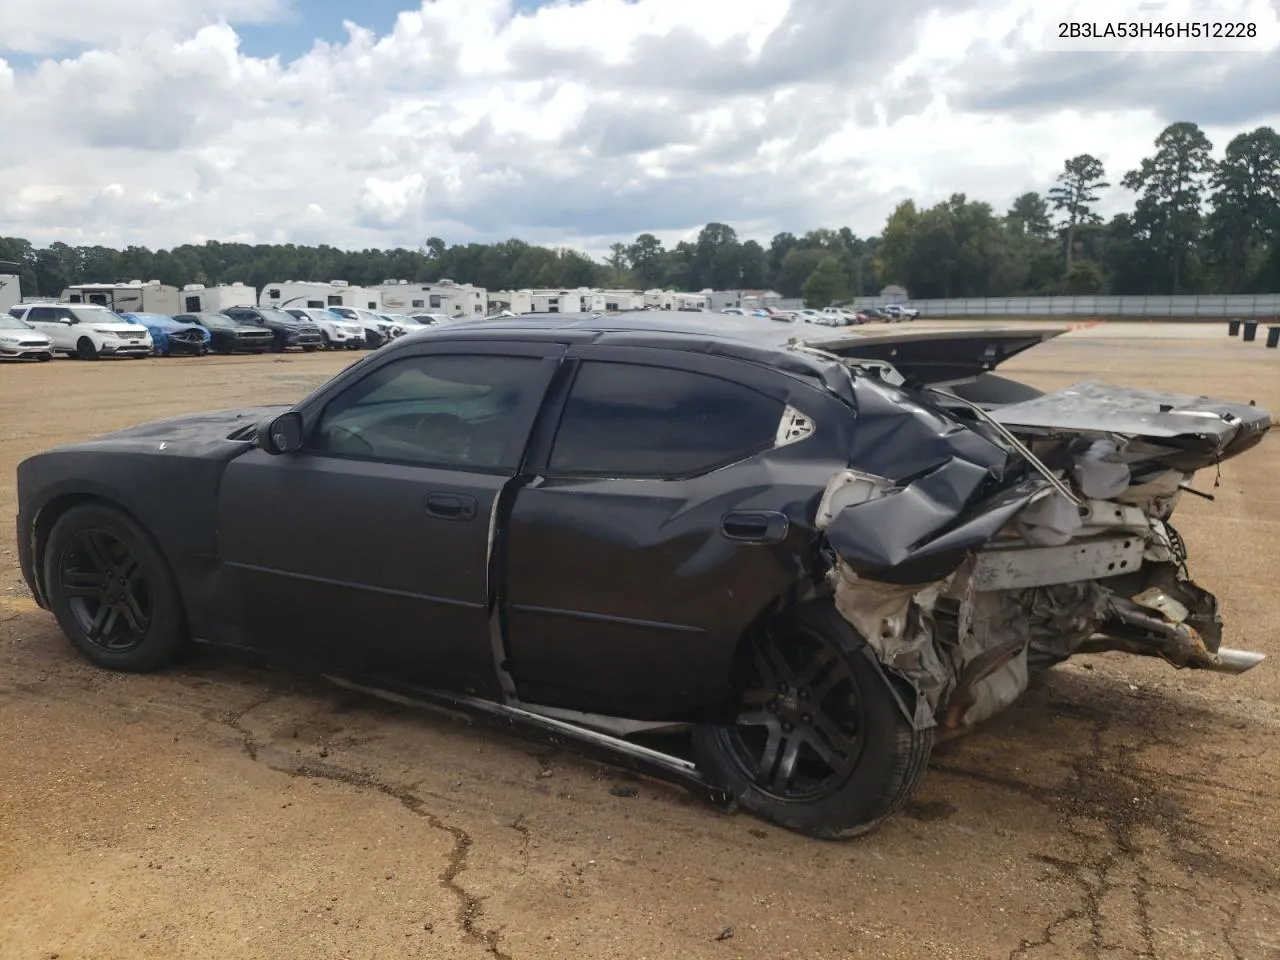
(819, 741)
(798, 736)
(105, 589)
(111, 589)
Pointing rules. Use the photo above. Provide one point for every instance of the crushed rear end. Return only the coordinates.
(985, 529)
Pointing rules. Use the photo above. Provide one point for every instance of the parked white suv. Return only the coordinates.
(88, 331)
(898, 312)
(338, 332)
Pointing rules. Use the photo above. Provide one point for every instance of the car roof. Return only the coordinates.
(803, 350)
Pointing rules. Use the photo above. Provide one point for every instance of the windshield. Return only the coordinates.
(369, 315)
(13, 323)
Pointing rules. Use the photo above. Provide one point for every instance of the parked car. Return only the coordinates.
(336, 331)
(87, 330)
(286, 330)
(400, 324)
(376, 330)
(21, 341)
(170, 336)
(897, 312)
(432, 319)
(875, 314)
(800, 550)
(228, 335)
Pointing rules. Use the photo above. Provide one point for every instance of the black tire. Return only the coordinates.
(309, 348)
(825, 696)
(101, 569)
(85, 350)
(328, 344)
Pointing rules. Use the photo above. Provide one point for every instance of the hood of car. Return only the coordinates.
(177, 435)
(28, 336)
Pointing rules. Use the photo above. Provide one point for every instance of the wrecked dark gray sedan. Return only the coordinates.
(770, 565)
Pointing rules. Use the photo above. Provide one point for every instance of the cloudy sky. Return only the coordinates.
(379, 122)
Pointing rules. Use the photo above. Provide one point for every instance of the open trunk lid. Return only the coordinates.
(935, 356)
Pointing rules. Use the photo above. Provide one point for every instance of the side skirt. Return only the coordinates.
(594, 743)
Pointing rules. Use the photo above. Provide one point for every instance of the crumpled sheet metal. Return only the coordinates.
(896, 621)
(1000, 637)
(921, 532)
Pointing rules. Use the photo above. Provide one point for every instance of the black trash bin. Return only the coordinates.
(1233, 328)
(1273, 337)
(1250, 330)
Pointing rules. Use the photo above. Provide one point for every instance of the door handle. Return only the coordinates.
(760, 526)
(451, 506)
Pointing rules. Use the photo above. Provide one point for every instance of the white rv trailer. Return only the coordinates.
(443, 296)
(133, 296)
(10, 285)
(670, 300)
(315, 294)
(197, 298)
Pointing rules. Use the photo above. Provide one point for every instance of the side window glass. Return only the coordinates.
(631, 420)
(448, 411)
(41, 314)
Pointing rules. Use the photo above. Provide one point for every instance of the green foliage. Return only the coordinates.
(827, 285)
(1197, 226)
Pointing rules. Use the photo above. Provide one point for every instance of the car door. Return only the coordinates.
(652, 531)
(45, 319)
(367, 552)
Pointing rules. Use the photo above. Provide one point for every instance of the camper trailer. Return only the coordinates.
(443, 296)
(197, 298)
(132, 296)
(10, 285)
(314, 294)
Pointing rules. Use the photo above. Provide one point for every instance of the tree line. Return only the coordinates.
(1198, 225)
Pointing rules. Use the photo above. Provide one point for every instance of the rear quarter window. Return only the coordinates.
(633, 420)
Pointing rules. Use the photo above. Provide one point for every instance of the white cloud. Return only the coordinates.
(582, 122)
(44, 26)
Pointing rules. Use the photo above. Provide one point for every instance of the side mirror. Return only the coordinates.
(282, 434)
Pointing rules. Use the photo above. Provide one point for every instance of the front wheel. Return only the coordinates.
(820, 744)
(85, 350)
(112, 591)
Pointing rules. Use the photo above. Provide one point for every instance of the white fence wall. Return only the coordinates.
(1117, 308)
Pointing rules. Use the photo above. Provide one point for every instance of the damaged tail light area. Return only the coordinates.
(978, 567)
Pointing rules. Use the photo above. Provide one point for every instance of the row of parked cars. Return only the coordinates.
(831, 316)
(39, 331)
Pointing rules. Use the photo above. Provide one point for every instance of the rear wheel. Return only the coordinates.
(85, 350)
(820, 744)
(112, 591)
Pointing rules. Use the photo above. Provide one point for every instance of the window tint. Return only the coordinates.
(628, 420)
(450, 411)
(44, 314)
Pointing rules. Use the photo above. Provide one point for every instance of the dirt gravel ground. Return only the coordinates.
(1121, 810)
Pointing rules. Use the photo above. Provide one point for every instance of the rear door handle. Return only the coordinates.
(451, 506)
(757, 526)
